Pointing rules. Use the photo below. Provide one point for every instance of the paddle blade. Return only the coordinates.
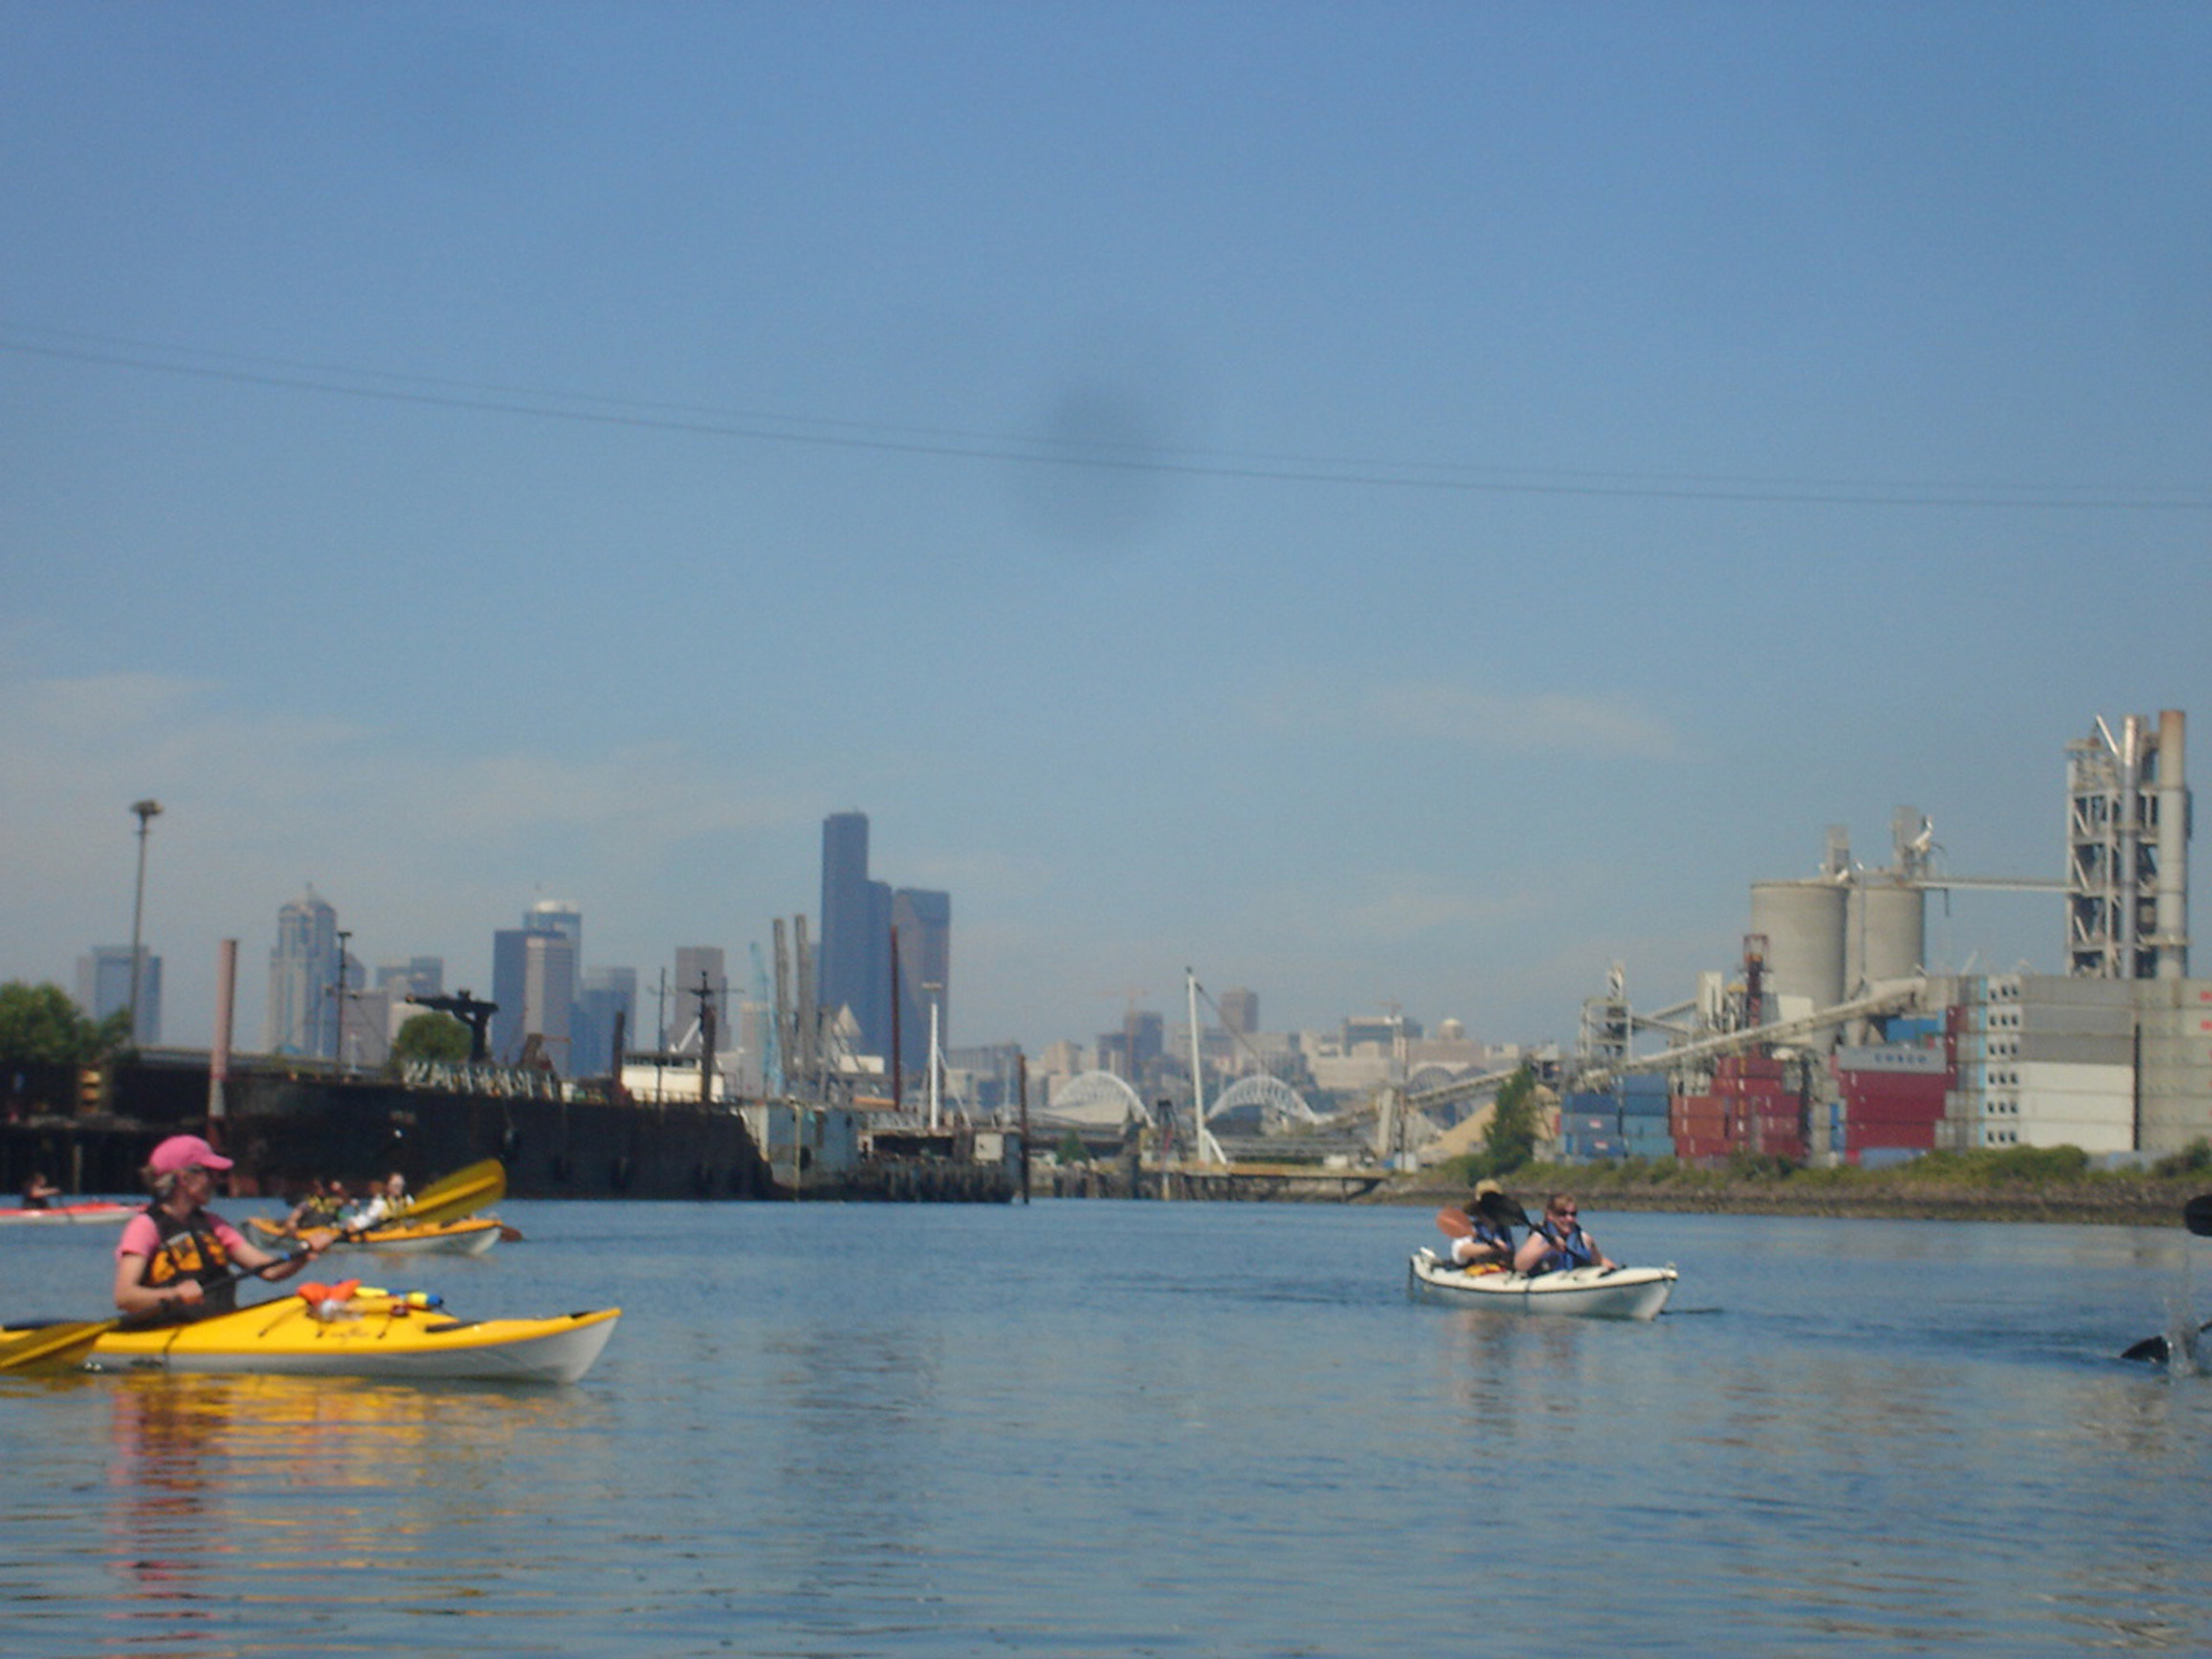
(52, 1345)
(2197, 1215)
(1504, 1212)
(461, 1193)
(1453, 1222)
(2153, 1348)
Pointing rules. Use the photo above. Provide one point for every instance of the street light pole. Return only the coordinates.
(343, 935)
(147, 812)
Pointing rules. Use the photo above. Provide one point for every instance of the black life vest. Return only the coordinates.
(190, 1250)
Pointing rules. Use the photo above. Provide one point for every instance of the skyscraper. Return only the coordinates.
(923, 922)
(419, 976)
(853, 962)
(556, 916)
(534, 974)
(608, 992)
(104, 987)
(303, 983)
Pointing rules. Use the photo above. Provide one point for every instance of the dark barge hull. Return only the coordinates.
(286, 1128)
(284, 1131)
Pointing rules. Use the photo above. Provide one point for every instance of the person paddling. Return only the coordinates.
(1557, 1242)
(381, 1205)
(175, 1259)
(1487, 1245)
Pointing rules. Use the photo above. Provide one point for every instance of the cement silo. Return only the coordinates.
(1805, 923)
(1889, 929)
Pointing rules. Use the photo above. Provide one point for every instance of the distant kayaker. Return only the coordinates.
(324, 1203)
(177, 1259)
(38, 1194)
(1558, 1242)
(1488, 1243)
(382, 1205)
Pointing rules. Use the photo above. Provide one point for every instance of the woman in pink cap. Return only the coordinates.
(177, 1259)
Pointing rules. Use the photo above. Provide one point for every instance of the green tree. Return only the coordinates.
(430, 1036)
(42, 1026)
(1511, 1139)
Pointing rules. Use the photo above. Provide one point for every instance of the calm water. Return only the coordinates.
(1109, 1429)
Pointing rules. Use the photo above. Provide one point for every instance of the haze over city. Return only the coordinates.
(1395, 505)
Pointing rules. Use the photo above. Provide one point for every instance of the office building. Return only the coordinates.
(103, 989)
(922, 921)
(534, 982)
(608, 998)
(853, 964)
(304, 981)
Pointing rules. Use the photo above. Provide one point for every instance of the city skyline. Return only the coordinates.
(1398, 504)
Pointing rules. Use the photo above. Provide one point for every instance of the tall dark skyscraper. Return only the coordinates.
(853, 962)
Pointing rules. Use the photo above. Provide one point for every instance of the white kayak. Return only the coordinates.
(1590, 1293)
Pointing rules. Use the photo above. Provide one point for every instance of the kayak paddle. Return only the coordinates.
(2197, 1217)
(461, 1193)
(1501, 1211)
(2158, 1349)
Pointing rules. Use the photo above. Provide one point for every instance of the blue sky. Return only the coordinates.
(1381, 505)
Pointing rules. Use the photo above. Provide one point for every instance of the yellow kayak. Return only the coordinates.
(371, 1334)
(470, 1236)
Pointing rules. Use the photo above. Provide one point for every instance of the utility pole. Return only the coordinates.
(339, 994)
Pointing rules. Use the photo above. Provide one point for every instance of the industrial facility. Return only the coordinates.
(1831, 1041)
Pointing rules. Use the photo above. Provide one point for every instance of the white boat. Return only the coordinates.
(1589, 1292)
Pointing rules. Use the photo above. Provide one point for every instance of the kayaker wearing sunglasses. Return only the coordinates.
(1557, 1242)
(177, 1259)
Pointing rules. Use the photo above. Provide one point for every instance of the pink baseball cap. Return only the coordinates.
(181, 1152)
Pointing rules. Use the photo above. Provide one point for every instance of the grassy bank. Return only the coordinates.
(2024, 1184)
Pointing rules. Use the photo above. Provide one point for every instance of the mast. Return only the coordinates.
(1197, 1080)
(933, 1066)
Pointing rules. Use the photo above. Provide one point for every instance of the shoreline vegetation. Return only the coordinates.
(2015, 1185)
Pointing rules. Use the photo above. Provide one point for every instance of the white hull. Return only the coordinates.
(1586, 1292)
(473, 1243)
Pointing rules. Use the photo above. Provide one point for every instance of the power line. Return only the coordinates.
(588, 409)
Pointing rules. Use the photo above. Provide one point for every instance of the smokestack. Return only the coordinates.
(225, 1000)
(2172, 794)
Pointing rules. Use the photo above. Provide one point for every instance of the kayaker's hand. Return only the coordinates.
(186, 1292)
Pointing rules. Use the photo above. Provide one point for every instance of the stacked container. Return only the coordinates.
(1644, 1127)
(2174, 1070)
(1889, 1099)
(1589, 1126)
(2045, 1061)
(1771, 1113)
(1749, 1109)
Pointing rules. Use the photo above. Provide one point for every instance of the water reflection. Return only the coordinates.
(303, 1484)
